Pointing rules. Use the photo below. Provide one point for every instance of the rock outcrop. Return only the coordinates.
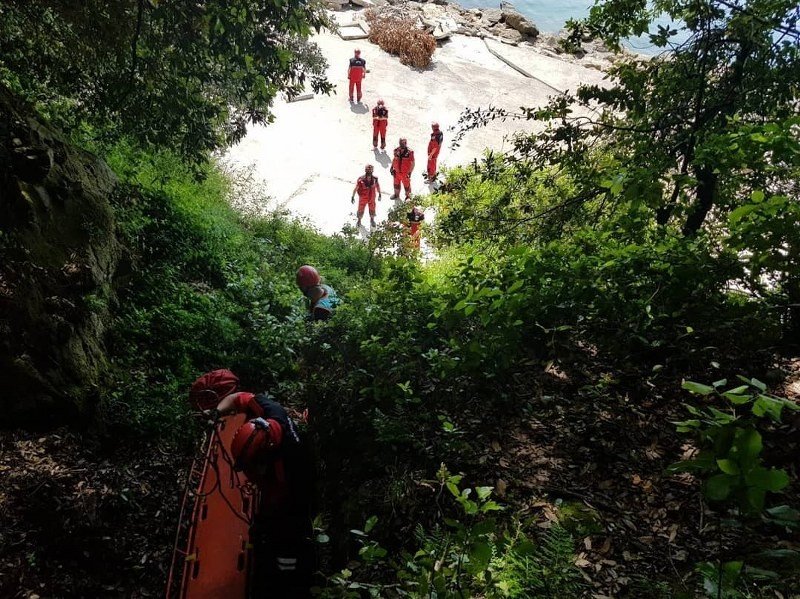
(58, 255)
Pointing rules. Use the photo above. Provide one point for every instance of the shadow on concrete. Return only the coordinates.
(358, 108)
(382, 158)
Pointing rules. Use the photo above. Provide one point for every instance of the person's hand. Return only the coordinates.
(213, 415)
(352, 199)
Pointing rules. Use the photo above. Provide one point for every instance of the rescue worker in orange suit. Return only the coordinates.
(367, 188)
(415, 217)
(434, 146)
(380, 119)
(356, 73)
(269, 450)
(402, 166)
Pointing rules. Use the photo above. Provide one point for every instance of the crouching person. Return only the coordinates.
(268, 449)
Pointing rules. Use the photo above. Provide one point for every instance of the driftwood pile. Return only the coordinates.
(400, 36)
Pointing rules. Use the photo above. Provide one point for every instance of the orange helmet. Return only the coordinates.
(254, 439)
(209, 389)
(307, 276)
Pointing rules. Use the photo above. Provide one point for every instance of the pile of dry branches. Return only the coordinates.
(401, 37)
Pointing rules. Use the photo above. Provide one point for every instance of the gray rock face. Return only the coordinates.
(58, 256)
(491, 16)
(519, 23)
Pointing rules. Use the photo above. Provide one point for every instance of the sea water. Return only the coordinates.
(550, 15)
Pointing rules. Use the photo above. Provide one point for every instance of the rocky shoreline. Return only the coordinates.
(444, 18)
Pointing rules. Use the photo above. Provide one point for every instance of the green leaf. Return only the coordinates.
(772, 406)
(480, 555)
(371, 522)
(755, 498)
(756, 383)
(770, 480)
(728, 466)
(484, 492)
(718, 487)
(757, 196)
(685, 426)
(748, 444)
(697, 388)
(491, 506)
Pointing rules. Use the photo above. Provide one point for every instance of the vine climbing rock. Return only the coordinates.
(58, 256)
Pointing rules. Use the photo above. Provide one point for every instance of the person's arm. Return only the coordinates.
(315, 294)
(378, 188)
(353, 195)
(233, 403)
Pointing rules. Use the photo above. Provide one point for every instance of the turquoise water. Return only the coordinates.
(549, 16)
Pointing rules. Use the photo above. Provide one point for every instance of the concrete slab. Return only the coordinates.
(561, 75)
(352, 32)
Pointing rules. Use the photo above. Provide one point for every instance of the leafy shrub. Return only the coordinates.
(731, 444)
(465, 555)
(401, 37)
(204, 289)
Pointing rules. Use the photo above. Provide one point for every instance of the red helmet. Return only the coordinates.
(435, 126)
(380, 102)
(307, 276)
(207, 391)
(254, 439)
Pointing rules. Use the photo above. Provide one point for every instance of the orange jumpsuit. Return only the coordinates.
(434, 145)
(380, 118)
(368, 189)
(415, 217)
(402, 165)
(355, 73)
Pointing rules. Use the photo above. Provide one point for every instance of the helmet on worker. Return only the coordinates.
(209, 389)
(253, 441)
(307, 277)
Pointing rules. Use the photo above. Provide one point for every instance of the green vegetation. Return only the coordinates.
(649, 233)
(204, 289)
(107, 70)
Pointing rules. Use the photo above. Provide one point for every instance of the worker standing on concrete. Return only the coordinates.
(367, 188)
(434, 146)
(402, 166)
(415, 217)
(380, 119)
(356, 73)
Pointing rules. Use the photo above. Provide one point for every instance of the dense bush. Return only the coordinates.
(401, 37)
(204, 289)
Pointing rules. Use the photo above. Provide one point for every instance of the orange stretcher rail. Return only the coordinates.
(212, 550)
